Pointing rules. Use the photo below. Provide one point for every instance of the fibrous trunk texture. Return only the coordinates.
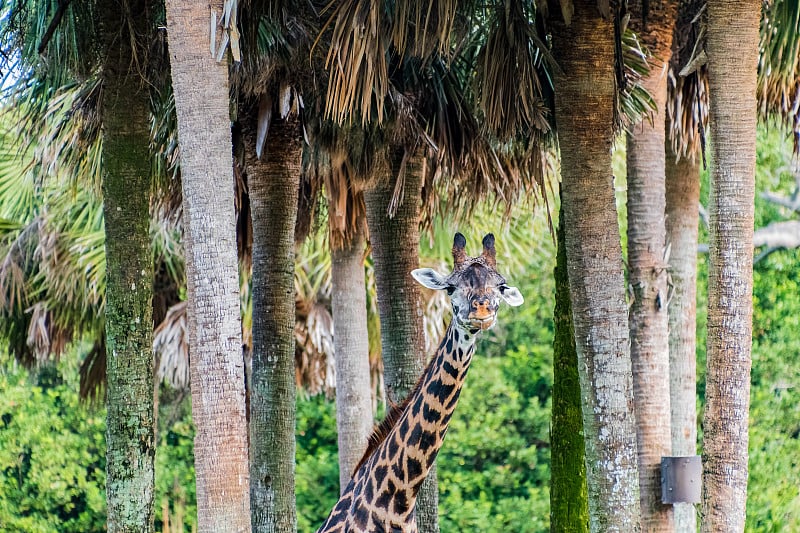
(569, 506)
(395, 249)
(683, 214)
(273, 185)
(351, 343)
(200, 85)
(732, 49)
(648, 317)
(130, 438)
(585, 53)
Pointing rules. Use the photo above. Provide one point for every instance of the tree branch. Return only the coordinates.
(791, 202)
(775, 236)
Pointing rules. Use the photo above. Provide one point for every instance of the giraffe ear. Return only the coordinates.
(428, 277)
(511, 295)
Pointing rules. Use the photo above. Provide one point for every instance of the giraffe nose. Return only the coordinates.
(482, 309)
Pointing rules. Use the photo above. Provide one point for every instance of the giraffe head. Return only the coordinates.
(475, 287)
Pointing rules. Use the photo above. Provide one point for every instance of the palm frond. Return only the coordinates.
(687, 88)
(513, 86)
(633, 100)
(779, 65)
(367, 39)
(171, 348)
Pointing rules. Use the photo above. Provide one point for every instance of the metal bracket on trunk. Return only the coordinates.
(681, 479)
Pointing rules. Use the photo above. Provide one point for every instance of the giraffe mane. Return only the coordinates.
(382, 430)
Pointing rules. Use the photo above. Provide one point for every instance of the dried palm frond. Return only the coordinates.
(368, 39)
(779, 65)
(93, 371)
(514, 90)
(633, 101)
(687, 88)
(171, 348)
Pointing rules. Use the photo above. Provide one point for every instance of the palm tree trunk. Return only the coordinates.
(585, 92)
(130, 428)
(732, 48)
(273, 187)
(683, 199)
(569, 506)
(648, 317)
(351, 343)
(395, 248)
(200, 85)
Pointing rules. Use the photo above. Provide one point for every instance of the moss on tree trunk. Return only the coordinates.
(584, 111)
(273, 184)
(569, 506)
(130, 451)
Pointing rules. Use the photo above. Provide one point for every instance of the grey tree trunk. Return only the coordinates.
(584, 50)
(648, 316)
(683, 214)
(200, 85)
(130, 438)
(273, 185)
(732, 48)
(395, 248)
(569, 506)
(351, 342)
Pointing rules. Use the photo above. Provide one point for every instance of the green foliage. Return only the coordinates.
(317, 475)
(175, 487)
(773, 500)
(494, 466)
(52, 455)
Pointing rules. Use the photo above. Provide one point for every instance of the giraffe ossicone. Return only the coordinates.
(381, 495)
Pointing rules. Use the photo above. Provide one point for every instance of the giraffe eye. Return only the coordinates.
(450, 290)
(502, 288)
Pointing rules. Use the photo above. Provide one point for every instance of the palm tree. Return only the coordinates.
(648, 317)
(732, 47)
(126, 186)
(395, 70)
(687, 118)
(273, 190)
(272, 83)
(129, 265)
(347, 237)
(584, 47)
(200, 86)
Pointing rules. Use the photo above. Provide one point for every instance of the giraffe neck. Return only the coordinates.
(383, 490)
(414, 442)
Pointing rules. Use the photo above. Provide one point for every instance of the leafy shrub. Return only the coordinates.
(52, 458)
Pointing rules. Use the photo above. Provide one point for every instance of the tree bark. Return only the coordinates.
(569, 506)
(683, 216)
(351, 343)
(395, 248)
(200, 85)
(732, 48)
(273, 186)
(585, 92)
(130, 437)
(648, 316)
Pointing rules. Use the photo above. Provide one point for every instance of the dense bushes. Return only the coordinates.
(52, 456)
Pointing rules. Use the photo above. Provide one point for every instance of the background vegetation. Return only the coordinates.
(494, 467)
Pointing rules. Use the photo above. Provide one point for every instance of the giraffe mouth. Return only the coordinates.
(482, 323)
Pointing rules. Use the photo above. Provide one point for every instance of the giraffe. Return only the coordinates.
(382, 492)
